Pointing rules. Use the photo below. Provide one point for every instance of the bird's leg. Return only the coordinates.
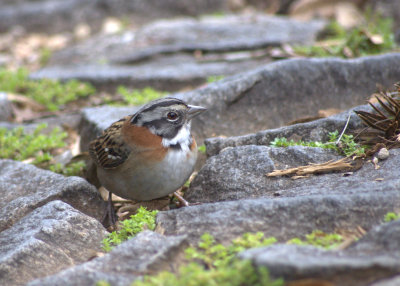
(182, 201)
(110, 215)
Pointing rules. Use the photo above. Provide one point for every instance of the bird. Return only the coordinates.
(147, 155)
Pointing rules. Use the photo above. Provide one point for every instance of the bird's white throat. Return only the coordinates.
(183, 138)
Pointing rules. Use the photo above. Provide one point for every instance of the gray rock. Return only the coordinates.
(317, 130)
(381, 239)
(293, 262)
(172, 54)
(146, 253)
(240, 173)
(270, 97)
(64, 15)
(278, 93)
(168, 74)
(283, 218)
(24, 187)
(187, 35)
(28, 127)
(374, 256)
(36, 15)
(62, 121)
(65, 120)
(5, 107)
(49, 239)
(394, 281)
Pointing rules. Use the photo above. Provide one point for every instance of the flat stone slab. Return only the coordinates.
(47, 240)
(393, 281)
(65, 14)
(316, 130)
(24, 187)
(373, 257)
(240, 173)
(208, 34)
(173, 54)
(293, 262)
(283, 218)
(146, 253)
(274, 95)
(170, 74)
(278, 93)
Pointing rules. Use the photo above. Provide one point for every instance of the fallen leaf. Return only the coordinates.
(328, 112)
(26, 102)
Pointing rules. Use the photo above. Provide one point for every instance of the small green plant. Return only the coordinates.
(391, 216)
(202, 149)
(50, 93)
(187, 184)
(71, 169)
(320, 239)
(45, 55)
(347, 145)
(139, 96)
(373, 37)
(143, 219)
(240, 272)
(214, 78)
(18, 145)
(283, 142)
(214, 255)
(102, 283)
(37, 148)
(211, 263)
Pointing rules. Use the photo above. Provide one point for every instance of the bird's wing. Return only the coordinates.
(109, 150)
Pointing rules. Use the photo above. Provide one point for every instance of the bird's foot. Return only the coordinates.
(181, 201)
(110, 217)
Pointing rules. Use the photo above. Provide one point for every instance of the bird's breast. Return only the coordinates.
(145, 180)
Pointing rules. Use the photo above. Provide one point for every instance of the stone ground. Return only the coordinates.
(49, 224)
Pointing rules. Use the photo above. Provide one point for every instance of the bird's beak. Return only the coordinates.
(194, 111)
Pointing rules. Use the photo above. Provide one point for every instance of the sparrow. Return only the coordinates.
(147, 155)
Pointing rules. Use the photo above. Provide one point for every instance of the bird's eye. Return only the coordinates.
(172, 116)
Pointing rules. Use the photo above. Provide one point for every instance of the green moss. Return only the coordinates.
(211, 263)
(18, 145)
(391, 216)
(320, 239)
(102, 283)
(373, 37)
(71, 169)
(143, 219)
(45, 55)
(215, 255)
(347, 144)
(214, 78)
(240, 272)
(51, 93)
(37, 147)
(139, 96)
(202, 149)
(283, 142)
